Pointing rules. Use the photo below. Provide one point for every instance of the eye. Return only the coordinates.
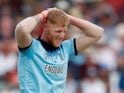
(58, 31)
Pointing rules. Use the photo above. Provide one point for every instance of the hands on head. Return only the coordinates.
(44, 13)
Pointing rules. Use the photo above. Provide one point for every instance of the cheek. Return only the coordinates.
(51, 37)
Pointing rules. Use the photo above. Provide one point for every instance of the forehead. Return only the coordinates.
(59, 27)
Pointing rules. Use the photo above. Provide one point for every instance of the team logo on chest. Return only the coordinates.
(53, 69)
(54, 57)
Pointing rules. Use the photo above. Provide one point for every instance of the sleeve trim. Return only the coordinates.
(25, 48)
(75, 48)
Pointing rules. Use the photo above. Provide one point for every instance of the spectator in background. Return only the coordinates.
(8, 59)
(6, 23)
(104, 55)
(93, 84)
(75, 64)
(71, 84)
(118, 42)
(121, 68)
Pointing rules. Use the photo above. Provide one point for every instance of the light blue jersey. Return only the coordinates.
(41, 71)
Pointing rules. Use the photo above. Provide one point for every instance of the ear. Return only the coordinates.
(45, 24)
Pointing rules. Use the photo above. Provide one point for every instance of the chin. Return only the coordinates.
(57, 45)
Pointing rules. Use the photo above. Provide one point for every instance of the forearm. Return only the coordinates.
(23, 30)
(27, 25)
(88, 28)
(92, 32)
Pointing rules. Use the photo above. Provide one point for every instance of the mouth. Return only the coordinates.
(59, 40)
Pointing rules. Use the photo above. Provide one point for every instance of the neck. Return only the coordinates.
(46, 44)
(44, 37)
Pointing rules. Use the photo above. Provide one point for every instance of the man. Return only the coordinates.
(42, 66)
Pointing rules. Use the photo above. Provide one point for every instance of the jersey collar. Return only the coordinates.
(48, 47)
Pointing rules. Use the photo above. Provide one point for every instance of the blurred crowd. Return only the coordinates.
(98, 69)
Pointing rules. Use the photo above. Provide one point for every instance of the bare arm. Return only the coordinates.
(92, 32)
(23, 30)
(25, 27)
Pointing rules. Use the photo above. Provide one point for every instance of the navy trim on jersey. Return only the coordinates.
(75, 48)
(48, 47)
(23, 49)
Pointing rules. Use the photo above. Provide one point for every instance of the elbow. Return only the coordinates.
(19, 30)
(19, 27)
(101, 33)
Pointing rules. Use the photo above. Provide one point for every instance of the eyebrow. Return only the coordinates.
(60, 31)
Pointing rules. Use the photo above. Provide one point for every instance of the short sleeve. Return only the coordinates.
(70, 46)
(28, 49)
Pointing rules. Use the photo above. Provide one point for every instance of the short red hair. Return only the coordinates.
(57, 17)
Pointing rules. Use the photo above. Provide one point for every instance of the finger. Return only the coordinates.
(51, 8)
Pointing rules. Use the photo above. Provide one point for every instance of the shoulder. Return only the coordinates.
(68, 42)
(70, 45)
(33, 44)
